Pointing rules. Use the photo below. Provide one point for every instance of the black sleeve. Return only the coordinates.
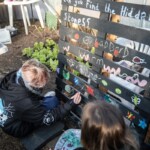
(39, 115)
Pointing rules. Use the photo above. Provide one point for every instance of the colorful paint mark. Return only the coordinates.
(130, 116)
(142, 123)
(76, 81)
(69, 89)
(107, 98)
(118, 91)
(66, 75)
(136, 100)
(88, 40)
(135, 80)
(112, 70)
(104, 83)
(138, 60)
(90, 90)
(96, 44)
(116, 52)
(76, 36)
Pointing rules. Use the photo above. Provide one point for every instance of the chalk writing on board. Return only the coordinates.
(95, 77)
(97, 61)
(88, 40)
(80, 21)
(84, 55)
(90, 5)
(71, 62)
(112, 70)
(66, 48)
(126, 12)
(68, 1)
(78, 2)
(108, 9)
(83, 70)
(135, 80)
(113, 48)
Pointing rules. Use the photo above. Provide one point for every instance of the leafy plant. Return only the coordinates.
(46, 53)
(27, 51)
(93, 50)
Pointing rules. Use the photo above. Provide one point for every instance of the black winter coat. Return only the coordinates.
(21, 110)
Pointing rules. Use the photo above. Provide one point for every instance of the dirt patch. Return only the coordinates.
(12, 60)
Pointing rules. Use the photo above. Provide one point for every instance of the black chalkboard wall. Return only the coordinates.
(98, 67)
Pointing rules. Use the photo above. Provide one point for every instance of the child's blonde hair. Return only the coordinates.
(35, 73)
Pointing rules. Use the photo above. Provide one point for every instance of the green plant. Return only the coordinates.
(46, 53)
(93, 50)
(27, 51)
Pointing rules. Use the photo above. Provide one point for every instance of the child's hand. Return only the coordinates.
(76, 98)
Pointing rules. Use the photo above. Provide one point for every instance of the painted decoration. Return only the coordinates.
(90, 90)
(136, 100)
(116, 52)
(76, 36)
(96, 44)
(142, 123)
(69, 89)
(130, 116)
(138, 60)
(66, 75)
(107, 98)
(104, 83)
(135, 80)
(76, 81)
(118, 91)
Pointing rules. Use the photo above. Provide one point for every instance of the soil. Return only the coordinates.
(13, 59)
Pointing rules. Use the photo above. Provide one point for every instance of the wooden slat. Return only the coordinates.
(102, 63)
(108, 27)
(105, 45)
(136, 11)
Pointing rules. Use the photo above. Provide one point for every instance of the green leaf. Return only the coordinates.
(50, 42)
(88, 65)
(79, 59)
(93, 50)
(27, 52)
(75, 72)
(53, 64)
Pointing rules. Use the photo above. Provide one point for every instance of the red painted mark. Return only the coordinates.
(96, 44)
(76, 36)
(116, 52)
(90, 90)
(130, 116)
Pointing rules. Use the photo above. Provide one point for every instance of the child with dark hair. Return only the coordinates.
(103, 128)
